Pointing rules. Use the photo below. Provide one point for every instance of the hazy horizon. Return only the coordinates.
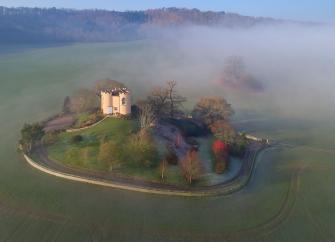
(309, 10)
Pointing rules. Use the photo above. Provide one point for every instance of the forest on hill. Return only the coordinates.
(40, 25)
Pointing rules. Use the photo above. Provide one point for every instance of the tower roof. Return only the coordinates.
(115, 91)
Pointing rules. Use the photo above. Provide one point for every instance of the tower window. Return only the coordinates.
(123, 101)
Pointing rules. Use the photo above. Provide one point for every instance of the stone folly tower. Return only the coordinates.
(116, 101)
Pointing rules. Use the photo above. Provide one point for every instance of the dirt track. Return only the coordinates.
(269, 226)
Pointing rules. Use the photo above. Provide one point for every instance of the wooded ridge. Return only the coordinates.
(37, 25)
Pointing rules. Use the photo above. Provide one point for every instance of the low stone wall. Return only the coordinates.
(109, 184)
(87, 127)
(216, 190)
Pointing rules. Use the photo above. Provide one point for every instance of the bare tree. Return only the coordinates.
(166, 101)
(158, 100)
(175, 100)
(163, 168)
(191, 166)
(147, 115)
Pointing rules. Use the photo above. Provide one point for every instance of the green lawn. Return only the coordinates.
(85, 154)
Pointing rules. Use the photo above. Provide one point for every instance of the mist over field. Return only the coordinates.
(281, 66)
(291, 67)
(287, 70)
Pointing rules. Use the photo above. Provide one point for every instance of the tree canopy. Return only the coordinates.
(212, 109)
(30, 134)
(235, 75)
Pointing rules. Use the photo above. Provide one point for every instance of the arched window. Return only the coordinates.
(123, 101)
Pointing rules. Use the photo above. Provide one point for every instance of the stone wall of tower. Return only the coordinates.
(116, 104)
(106, 103)
(125, 103)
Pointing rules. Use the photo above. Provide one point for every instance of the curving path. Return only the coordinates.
(255, 232)
(47, 165)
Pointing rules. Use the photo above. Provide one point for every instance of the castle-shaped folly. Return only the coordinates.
(116, 101)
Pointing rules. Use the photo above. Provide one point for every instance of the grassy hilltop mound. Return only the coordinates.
(156, 141)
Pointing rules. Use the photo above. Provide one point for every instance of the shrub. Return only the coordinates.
(77, 139)
(239, 147)
(220, 165)
(110, 154)
(140, 149)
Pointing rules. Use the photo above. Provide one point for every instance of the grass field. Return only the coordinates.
(276, 206)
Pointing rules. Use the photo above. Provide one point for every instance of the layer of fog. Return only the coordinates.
(295, 66)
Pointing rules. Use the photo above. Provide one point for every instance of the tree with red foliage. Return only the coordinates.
(219, 148)
(220, 151)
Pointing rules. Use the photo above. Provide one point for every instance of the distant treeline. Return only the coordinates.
(65, 25)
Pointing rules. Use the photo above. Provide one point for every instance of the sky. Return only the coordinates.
(306, 10)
